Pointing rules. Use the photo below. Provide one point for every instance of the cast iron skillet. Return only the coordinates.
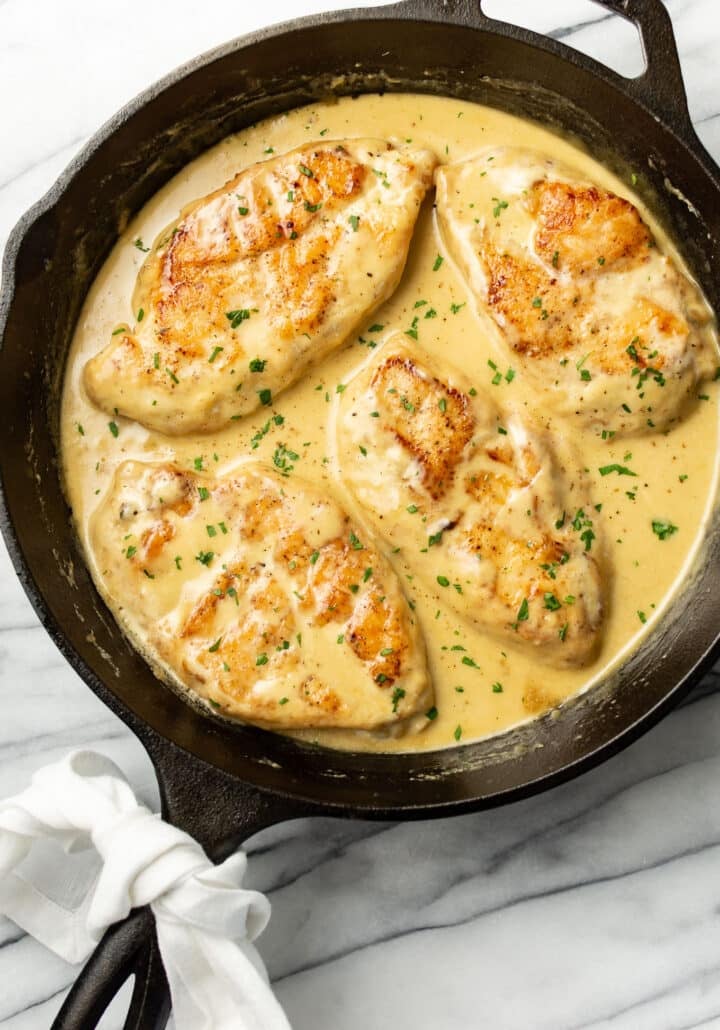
(224, 782)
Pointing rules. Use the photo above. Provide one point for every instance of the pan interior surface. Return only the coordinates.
(56, 252)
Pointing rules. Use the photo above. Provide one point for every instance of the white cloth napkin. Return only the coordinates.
(205, 920)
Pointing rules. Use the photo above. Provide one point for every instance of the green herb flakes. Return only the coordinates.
(237, 316)
(662, 528)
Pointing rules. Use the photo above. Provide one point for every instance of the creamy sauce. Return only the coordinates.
(676, 472)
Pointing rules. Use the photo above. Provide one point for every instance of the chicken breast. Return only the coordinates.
(258, 280)
(574, 284)
(490, 515)
(257, 593)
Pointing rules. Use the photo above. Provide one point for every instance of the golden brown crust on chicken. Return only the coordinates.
(432, 420)
(258, 280)
(257, 593)
(506, 537)
(572, 278)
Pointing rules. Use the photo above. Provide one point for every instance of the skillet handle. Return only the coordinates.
(128, 949)
(220, 812)
(660, 88)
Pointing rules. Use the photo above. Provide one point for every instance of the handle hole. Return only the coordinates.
(581, 24)
(114, 1016)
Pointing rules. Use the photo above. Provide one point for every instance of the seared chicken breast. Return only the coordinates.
(256, 281)
(606, 324)
(258, 593)
(486, 510)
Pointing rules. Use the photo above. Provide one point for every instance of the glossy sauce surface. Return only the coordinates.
(481, 686)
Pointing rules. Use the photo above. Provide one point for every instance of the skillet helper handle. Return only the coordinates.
(660, 88)
(128, 948)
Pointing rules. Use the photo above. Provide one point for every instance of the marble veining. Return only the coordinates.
(593, 907)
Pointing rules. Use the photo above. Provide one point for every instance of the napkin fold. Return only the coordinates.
(206, 921)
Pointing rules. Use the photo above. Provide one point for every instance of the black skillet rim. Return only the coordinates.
(372, 804)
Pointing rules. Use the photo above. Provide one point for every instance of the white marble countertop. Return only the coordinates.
(596, 905)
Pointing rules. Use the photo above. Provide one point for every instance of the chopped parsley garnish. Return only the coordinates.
(523, 614)
(312, 207)
(131, 551)
(376, 328)
(216, 645)
(431, 714)
(562, 632)
(243, 211)
(215, 352)
(314, 557)
(601, 260)
(265, 429)
(663, 528)
(283, 700)
(178, 561)
(537, 302)
(257, 365)
(203, 493)
(198, 464)
(156, 359)
(355, 543)
(458, 732)
(497, 688)
(172, 375)
(442, 404)
(307, 171)
(354, 221)
(205, 557)
(283, 458)
(397, 695)
(237, 316)
(457, 307)
(438, 262)
(265, 397)
(435, 538)
(381, 678)
(551, 602)
(467, 660)
(140, 245)
(585, 375)
(141, 314)
(443, 581)
(262, 659)
(583, 525)
(622, 470)
(412, 332)
(211, 531)
(113, 427)
(500, 206)
(412, 508)
(556, 258)
(642, 616)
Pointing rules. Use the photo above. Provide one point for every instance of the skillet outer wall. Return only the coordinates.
(56, 251)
